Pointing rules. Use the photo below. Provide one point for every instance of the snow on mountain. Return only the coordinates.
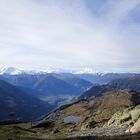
(85, 70)
(10, 71)
(44, 71)
(49, 70)
(15, 71)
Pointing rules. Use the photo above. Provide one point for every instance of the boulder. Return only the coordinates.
(136, 127)
(55, 131)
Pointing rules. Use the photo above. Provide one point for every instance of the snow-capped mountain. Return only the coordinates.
(44, 71)
(85, 70)
(15, 71)
(10, 71)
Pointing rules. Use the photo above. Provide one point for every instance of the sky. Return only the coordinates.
(103, 35)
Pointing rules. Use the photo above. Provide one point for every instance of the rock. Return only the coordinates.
(90, 124)
(127, 131)
(119, 118)
(83, 128)
(71, 130)
(55, 131)
(135, 114)
(45, 124)
(125, 117)
(129, 117)
(136, 127)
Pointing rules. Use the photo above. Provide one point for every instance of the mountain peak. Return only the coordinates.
(10, 71)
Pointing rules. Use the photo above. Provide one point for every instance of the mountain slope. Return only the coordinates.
(97, 91)
(50, 85)
(23, 80)
(15, 100)
(88, 114)
(132, 83)
(74, 80)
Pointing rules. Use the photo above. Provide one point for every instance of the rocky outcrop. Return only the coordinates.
(128, 117)
(125, 117)
(135, 128)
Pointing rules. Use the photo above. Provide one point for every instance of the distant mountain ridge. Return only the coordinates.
(87, 74)
(10, 71)
(132, 83)
(60, 88)
(16, 71)
(129, 83)
(105, 78)
(66, 82)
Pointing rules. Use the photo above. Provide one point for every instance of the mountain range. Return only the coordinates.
(130, 83)
(56, 89)
(57, 86)
(71, 105)
(105, 110)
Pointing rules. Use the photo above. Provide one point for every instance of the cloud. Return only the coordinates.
(103, 35)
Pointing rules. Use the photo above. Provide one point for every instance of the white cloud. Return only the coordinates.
(65, 33)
